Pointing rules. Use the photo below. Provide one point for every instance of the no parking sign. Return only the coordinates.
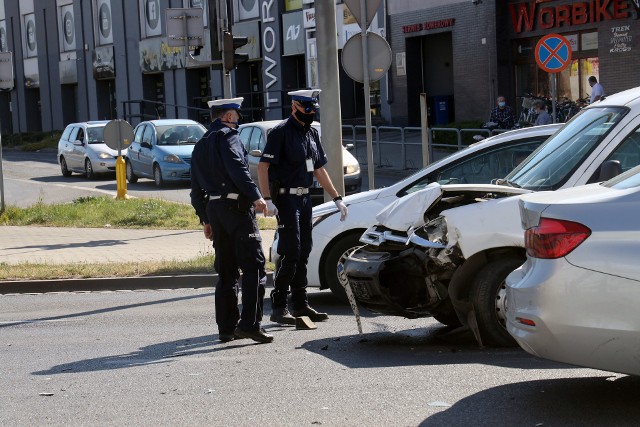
(553, 53)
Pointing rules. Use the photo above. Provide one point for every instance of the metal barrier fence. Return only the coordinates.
(400, 148)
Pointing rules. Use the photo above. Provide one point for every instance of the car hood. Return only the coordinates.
(105, 149)
(348, 200)
(178, 150)
(408, 211)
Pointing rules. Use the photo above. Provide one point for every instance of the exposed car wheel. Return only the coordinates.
(446, 314)
(63, 167)
(131, 177)
(88, 169)
(488, 294)
(157, 176)
(333, 267)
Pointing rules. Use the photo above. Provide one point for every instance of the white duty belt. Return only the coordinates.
(297, 191)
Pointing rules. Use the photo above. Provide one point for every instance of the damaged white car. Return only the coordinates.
(446, 250)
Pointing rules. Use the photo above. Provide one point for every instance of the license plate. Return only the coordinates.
(360, 288)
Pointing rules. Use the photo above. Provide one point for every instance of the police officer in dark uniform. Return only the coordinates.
(226, 200)
(291, 158)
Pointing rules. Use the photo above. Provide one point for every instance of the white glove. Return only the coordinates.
(271, 209)
(343, 209)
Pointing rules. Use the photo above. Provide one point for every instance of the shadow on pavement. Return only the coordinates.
(592, 401)
(433, 344)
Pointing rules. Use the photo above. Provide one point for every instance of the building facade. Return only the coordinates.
(463, 53)
(77, 60)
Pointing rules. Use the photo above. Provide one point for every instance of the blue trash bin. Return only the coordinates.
(441, 110)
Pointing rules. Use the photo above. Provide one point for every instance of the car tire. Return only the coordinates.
(157, 176)
(63, 167)
(488, 294)
(88, 169)
(446, 314)
(131, 176)
(336, 253)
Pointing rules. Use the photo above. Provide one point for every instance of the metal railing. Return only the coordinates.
(400, 148)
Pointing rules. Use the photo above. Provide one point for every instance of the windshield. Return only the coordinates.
(552, 164)
(181, 134)
(96, 135)
(629, 179)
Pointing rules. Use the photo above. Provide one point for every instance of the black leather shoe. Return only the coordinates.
(260, 335)
(311, 314)
(226, 337)
(282, 315)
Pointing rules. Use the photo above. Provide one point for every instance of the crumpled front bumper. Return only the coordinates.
(389, 283)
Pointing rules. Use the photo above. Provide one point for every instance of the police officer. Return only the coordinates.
(226, 199)
(291, 158)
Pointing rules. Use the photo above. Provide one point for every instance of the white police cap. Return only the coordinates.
(305, 95)
(226, 104)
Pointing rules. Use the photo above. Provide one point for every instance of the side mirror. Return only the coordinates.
(145, 144)
(78, 143)
(349, 147)
(255, 153)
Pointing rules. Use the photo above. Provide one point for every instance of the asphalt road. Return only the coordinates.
(152, 358)
(32, 177)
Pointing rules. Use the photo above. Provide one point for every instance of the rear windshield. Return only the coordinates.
(552, 164)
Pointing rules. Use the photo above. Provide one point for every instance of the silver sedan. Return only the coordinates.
(576, 298)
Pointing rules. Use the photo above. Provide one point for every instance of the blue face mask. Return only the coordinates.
(502, 104)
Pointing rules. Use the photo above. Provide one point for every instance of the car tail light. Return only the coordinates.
(554, 238)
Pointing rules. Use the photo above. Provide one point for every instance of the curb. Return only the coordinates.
(112, 284)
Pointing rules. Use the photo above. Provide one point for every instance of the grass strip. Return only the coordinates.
(104, 211)
(34, 271)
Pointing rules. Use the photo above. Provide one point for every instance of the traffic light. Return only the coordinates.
(230, 43)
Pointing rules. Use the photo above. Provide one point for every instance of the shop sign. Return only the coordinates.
(271, 54)
(309, 18)
(292, 34)
(103, 63)
(156, 55)
(429, 25)
(620, 39)
(536, 15)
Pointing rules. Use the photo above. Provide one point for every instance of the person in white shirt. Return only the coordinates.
(597, 91)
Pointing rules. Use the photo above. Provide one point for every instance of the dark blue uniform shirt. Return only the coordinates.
(219, 166)
(289, 145)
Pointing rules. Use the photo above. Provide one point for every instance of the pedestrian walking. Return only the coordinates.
(597, 90)
(226, 200)
(292, 157)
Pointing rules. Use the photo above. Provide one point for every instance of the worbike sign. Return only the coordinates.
(543, 15)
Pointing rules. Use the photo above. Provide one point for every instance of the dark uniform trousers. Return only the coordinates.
(238, 244)
(294, 246)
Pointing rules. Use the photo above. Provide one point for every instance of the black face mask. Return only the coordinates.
(307, 119)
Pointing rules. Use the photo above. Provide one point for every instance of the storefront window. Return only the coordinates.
(572, 82)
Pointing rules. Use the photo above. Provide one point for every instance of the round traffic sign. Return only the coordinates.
(118, 134)
(379, 54)
(553, 53)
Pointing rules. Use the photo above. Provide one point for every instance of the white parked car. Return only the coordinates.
(454, 249)
(254, 138)
(81, 149)
(576, 298)
(482, 162)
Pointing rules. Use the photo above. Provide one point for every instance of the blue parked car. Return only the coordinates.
(161, 150)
